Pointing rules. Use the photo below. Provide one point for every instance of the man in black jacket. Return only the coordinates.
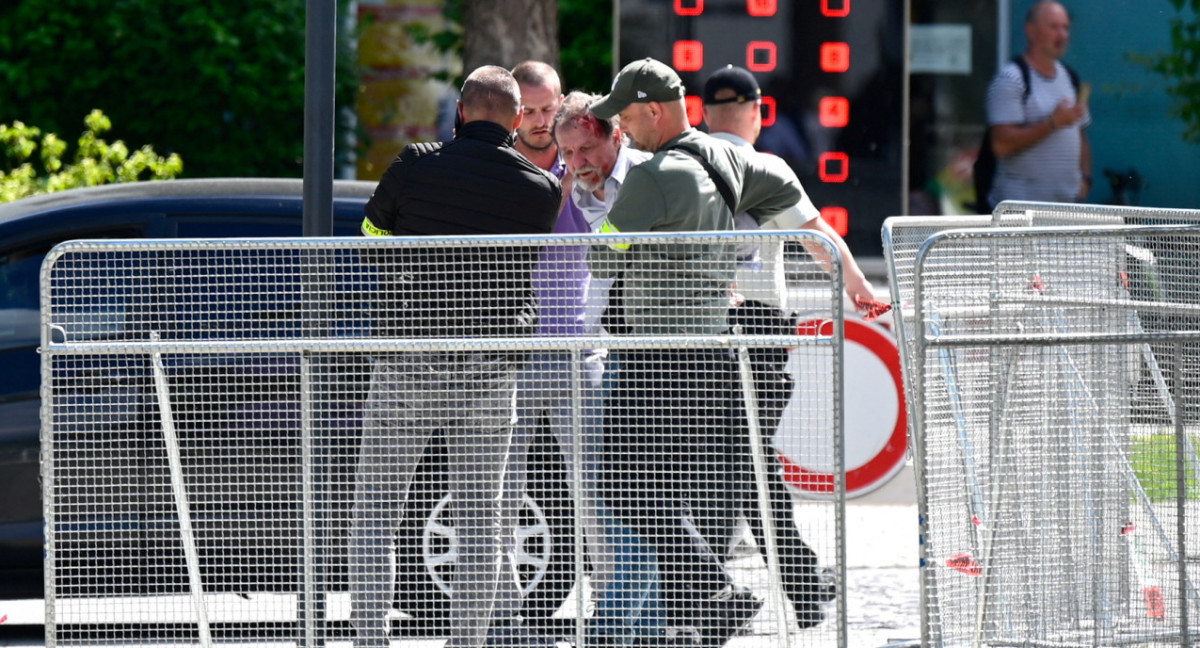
(476, 184)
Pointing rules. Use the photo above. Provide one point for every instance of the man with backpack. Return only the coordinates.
(1037, 113)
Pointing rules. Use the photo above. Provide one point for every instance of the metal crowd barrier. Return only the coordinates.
(1055, 450)
(227, 424)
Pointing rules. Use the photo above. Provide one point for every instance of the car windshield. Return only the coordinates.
(19, 295)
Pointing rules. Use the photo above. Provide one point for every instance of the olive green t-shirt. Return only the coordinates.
(673, 289)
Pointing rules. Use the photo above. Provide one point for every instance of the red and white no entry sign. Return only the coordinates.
(875, 417)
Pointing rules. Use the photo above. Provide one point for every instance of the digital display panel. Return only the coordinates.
(832, 75)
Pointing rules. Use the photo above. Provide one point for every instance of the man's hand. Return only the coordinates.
(1065, 114)
(871, 309)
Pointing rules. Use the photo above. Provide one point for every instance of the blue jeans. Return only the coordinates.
(632, 603)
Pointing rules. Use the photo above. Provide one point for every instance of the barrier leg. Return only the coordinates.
(761, 475)
(179, 491)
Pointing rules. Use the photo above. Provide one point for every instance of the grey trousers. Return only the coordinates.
(544, 387)
(471, 397)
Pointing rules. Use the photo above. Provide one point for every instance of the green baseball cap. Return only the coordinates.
(639, 82)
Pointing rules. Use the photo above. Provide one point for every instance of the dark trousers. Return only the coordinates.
(773, 385)
(667, 416)
(797, 560)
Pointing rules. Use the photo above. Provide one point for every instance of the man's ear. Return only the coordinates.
(517, 120)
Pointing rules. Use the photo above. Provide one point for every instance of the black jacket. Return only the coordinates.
(477, 184)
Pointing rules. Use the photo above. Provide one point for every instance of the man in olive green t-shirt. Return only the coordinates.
(671, 405)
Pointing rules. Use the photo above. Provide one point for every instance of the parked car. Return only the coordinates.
(198, 209)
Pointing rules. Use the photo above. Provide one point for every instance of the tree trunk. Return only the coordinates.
(508, 32)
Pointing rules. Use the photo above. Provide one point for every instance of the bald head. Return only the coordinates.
(1048, 30)
(1036, 11)
(490, 93)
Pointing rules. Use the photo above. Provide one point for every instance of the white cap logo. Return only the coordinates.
(641, 95)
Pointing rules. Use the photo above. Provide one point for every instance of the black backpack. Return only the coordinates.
(984, 169)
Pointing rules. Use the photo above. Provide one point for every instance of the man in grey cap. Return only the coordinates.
(670, 406)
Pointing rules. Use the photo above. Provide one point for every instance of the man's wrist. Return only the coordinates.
(1050, 122)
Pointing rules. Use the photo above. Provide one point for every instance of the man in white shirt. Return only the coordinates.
(732, 110)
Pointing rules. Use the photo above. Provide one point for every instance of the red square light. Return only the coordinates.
(768, 111)
(760, 56)
(833, 167)
(835, 57)
(688, 56)
(689, 7)
(762, 8)
(834, 112)
(835, 8)
(695, 109)
(838, 218)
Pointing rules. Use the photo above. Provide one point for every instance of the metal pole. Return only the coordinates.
(581, 498)
(308, 605)
(1003, 32)
(1181, 487)
(320, 57)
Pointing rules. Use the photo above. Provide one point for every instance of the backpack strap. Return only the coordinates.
(1023, 65)
(1073, 74)
(722, 186)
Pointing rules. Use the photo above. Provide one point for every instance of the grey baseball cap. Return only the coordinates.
(639, 82)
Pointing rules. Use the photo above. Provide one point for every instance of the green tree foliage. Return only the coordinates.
(220, 82)
(1181, 66)
(95, 162)
(586, 44)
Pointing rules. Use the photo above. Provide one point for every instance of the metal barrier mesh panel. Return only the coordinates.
(1056, 513)
(379, 441)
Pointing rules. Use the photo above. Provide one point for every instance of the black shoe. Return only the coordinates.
(809, 614)
(825, 588)
(723, 617)
(808, 601)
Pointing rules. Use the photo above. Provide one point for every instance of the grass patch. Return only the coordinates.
(1153, 460)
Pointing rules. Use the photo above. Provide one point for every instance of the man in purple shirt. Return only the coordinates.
(562, 283)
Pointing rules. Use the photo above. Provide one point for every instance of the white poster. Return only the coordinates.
(940, 49)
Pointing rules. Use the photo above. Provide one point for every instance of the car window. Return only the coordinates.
(19, 294)
(20, 269)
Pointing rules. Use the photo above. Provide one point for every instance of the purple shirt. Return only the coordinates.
(561, 276)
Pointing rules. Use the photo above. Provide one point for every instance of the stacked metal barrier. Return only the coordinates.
(206, 406)
(1058, 494)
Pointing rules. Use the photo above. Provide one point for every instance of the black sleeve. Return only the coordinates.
(380, 210)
